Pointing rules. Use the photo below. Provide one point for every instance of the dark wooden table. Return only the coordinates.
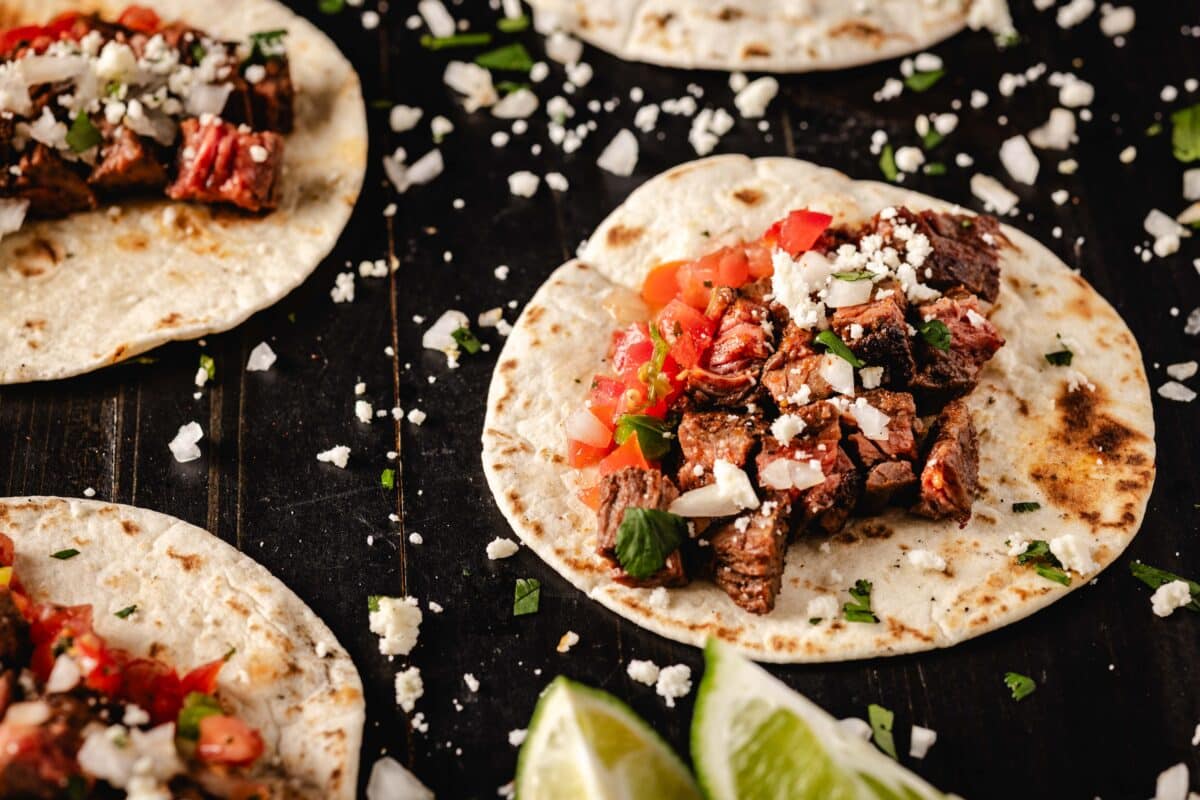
(1117, 700)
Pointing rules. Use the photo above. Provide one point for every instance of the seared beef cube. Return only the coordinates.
(826, 507)
(964, 249)
(786, 381)
(127, 165)
(705, 436)
(14, 633)
(945, 374)
(882, 339)
(728, 391)
(36, 761)
(951, 473)
(818, 441)
(748, 555)
(52, 188)
(266, 105)
(887, 482)
(741, 341)
(901, 442)
(636, 488)
(218, 163)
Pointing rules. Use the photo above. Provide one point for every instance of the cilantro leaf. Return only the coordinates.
(513, 24)
(1053, 574)
(931, 139)
(457, 40)
(645, 538)
(860, 275)
(467, 340)
(209, 366)
(935, 333)
(653, 434)
(834, 344)
(881, 720)
(330, 6)
(1025, 507)
(1154, 578)
(196, 706)
(63, 555)
(83, 135)
(923, 81)
(526, 596)
(1185, 133)
(860, 609)
(1020, 685)
(509, 58)
(1060, 358)
(125, 612)
(1037, 554)
(373, 603)
(934, 168)
(887, 163)
(387, 478)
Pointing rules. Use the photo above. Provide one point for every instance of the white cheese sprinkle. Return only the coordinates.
(1170, 596)
(501, 547)
(397, 623)
(339, 456)
(261, 359)
(673, 682)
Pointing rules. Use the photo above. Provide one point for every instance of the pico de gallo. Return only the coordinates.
(80, 718)
(784, 384)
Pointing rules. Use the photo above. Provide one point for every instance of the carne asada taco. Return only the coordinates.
(818, 418)
(768, 35)
(140, 653)
(166, 170)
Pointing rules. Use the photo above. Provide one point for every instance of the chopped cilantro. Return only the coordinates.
(931, 139)
(860, 275)
(264, 45)
(509, 58)
(1154, 129)
(935, 333)
(1020, 685)
(1060, 358)
(387, 478)
(229, 654)
(1053, 574)
(196, 706)
(658, 384)
(198, 52)
(881, 720)
(457, 40)
(1025, 507)
(209, 366)
(645, 538)
(1185, 133)
(126, 611)
(373, 603)
(330, 6)
(887, 163)
(63, 555)
(652, 434)
(834, 344)
(860, 609)
(1154, 578)
(513, 24)
(934, 168)
(467, 340)
(1037, 554)
(526, 595)
(923, 81)
(83, 135)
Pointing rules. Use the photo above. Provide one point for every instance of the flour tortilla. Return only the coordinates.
(762, 35)
(196, 598)
(90, 290)
(1086, 455)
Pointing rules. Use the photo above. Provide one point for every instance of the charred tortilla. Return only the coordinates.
(1078, 441)
(99, 287)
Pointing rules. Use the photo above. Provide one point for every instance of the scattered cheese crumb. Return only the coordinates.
(338, 455)
(409, 688)
(500, 547)
(261, 359)
(397, 623)
(643, 671)
(1170, 596)
(674, 682)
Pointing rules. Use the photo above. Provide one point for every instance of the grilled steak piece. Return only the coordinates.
(748, 555)
(705, 436)
(886, 482)
(127, 165)
(794, 366)
(741, 342)
(726, 391)
(901, 442)
(636, 488)
(218, 163)
(52, 188)
(882, 339)
(14, 633)
(946, 374)
(951, 473)
(964, 249)
(826, 507)
(818, 441)
(35, 762)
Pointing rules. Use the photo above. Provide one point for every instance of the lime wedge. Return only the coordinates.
(753, 738)
(586, 744)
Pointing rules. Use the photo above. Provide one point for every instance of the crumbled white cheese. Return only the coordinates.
(397, 623)
(184, 446)
(1172, 783)
(516, 737)
(823, 606)
(1166, 598)
(1075, 92)
(786, 427)
(472, 81)
(909, 159)
(1057, 134)
(926, 560)
(995, 196)
(417, 417)
(673, 682)
(523, 183)
(516, 105)
(1019, 159)
(1116, 20)
(261, 359)
(643, 671)
(471, 681)
(409, 688)
(339, 456)
(501, 548)
(1074, 12)
(1074, 552)
(404, 118)
(563, 48)
(343, 288)
(557, 181)
(753, 99)
(364, 411)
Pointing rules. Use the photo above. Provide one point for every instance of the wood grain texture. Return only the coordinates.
(1117, 699)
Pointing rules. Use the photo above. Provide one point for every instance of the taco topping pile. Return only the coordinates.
(783, 385)
(79, 718)
(92, 111)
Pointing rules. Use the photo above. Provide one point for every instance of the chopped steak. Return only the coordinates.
(741, 342)
(945, 374)
(748, 555)
(705, 436)
(882, 340)
(52, 188)
(14, 632)
(951, 473)
(794, 366)
(818, 440)
(219, 163)
(901, 443)
(636, 488)
(727, 391)
(127, 165)
(35, 761)
(964, 249)
(887, 482)
(267, 104)
(826, 507)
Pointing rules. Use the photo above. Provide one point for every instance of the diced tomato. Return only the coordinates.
(627, 455)
(590, 497)
(203, 678)
(48, 625)
(662, 284)
(733, 269)
(228, 740)
(799, 231)
(61, 24)
(140, 18)
(101, 667)
(154, 687)
(687, 331)
(13, 37)
(696, 281)
(605, 398)
(580, 455)
(631, 347)
(758, 255)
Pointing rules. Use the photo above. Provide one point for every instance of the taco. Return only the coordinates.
(818, 418)
(768, 35)
(140, 653)
(166, 170)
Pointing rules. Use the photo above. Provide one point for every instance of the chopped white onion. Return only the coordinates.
(1019, 159)
(32, 713)
(208, 98)
(473, 81)
(735, 484)
(154, 124)
(872, 421)
(838, 373)
(51, 69)
(516, 105)
(620, 157)
(786, 473)
(391, 781)
(439, 338)
(705, 502)
(64, 676)
(582, 426)
(848, 293)
(995, 196)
